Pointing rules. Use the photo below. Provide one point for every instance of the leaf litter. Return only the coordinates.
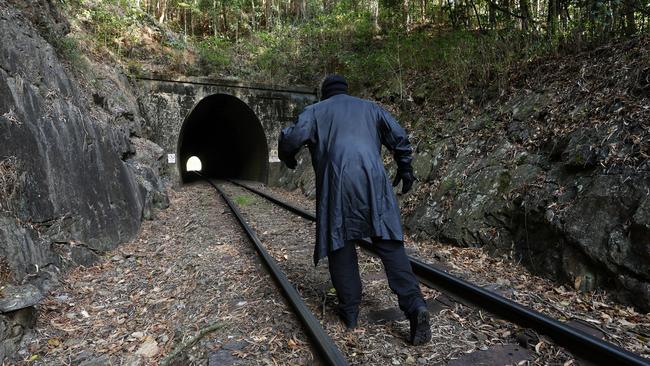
(189, 271)
(600, 312)
(381, 336)
(154, 294)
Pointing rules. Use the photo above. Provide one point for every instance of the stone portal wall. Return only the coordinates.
(166, 104)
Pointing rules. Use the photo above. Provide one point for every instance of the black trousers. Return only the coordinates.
(344, 271)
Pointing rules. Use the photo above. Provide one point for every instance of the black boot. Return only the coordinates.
(420, 328)
(349, 319)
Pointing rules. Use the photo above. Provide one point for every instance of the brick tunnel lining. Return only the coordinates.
(227, 136)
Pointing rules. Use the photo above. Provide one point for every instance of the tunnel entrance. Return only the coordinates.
(227, 138)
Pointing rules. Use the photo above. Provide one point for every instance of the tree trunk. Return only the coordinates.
(162, 7)
(563, 12)
(185, 22)
(452, 14)
(224, 15)
(492, 16)
(591, 10)
(215, 18)
(506, 5)
(407, 15)
(374, 11)
(630, 24)
(525, 13)
(265, 14)
(191, 22)
(295, 9)
(253, 16)
(423, 10)
(478, 17)
(551, 20)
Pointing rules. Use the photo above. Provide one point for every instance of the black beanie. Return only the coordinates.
(333, 85)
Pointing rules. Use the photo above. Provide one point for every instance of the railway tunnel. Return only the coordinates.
(225, 135)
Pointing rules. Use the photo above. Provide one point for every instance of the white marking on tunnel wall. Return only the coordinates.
(273, 157)
(171, 158)
(193, 164)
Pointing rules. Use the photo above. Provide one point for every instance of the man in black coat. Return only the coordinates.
(355, 200)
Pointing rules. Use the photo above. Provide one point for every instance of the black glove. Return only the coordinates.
(288, 158)
(406, 176)
(291, 162)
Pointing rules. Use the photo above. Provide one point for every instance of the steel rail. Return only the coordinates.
(579, 342)
(327, 349)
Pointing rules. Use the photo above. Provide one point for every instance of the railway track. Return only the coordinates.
(325, 347)
(580, 343)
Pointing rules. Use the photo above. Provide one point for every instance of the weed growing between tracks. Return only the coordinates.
(244, 200)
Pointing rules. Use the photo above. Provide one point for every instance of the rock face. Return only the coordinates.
(557, 177)
(73, 184)
(302, 177)
(586, 227)
(15, 298)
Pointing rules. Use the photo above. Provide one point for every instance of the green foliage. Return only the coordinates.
(114, 24)
(304, 53)
(436, 51)
(244, 200)
(68, 48)
(456, 61)
(214, 52)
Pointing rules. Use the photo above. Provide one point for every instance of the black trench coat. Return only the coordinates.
(355, 199)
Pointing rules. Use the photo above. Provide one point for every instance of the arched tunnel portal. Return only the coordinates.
(227, 137)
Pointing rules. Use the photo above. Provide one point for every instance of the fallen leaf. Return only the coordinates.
(148, 349)
(54, 342)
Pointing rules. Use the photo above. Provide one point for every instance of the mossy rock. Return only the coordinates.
(422, 165)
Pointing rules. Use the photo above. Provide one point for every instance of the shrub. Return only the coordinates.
(214, 53)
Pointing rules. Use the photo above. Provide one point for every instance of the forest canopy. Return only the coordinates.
(458, 44)
(235, 18)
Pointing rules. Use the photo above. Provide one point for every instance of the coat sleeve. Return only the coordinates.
(295, 137)
(394, 137)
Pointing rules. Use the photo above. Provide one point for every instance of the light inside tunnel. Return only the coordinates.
(193, 164)
(227, 139)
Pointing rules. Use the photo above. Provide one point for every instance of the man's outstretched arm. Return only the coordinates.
(394, 137)
(295, 137)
